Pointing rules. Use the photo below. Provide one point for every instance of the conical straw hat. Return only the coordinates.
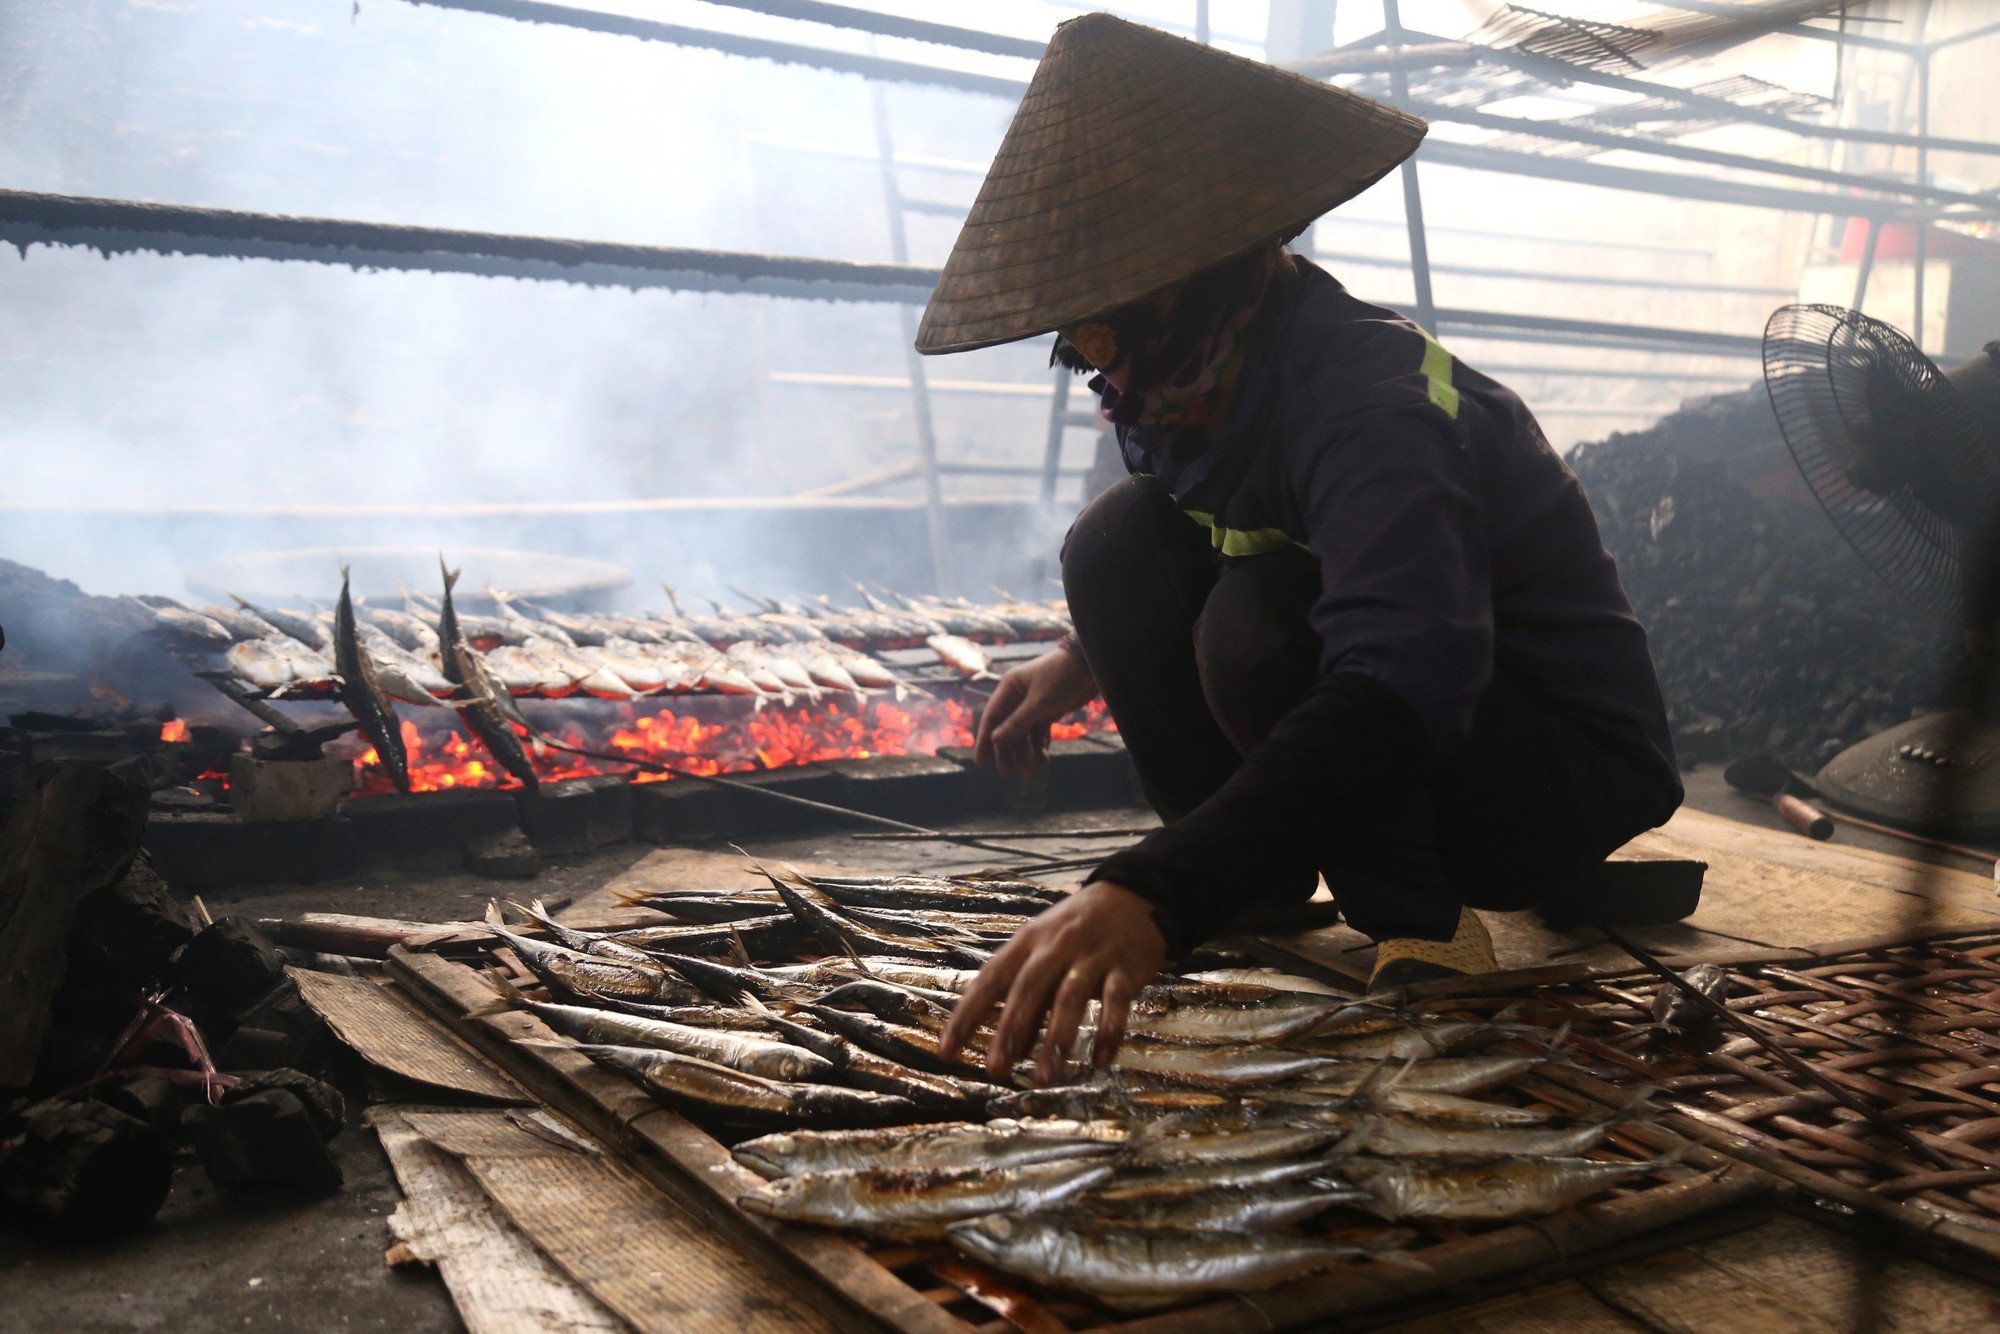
(1137, 159)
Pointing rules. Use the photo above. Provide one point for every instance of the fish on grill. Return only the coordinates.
(1222, 1208)
(841, 933)
(279, 665)
(918, 1204)
(584, 976)
(748, 1052)
(362, 694)
(1135, 1269)
(748, 1100)
(305, 627)
(962, 656)
(995, 1145)
(912, 1046)
(1494, 1191)
(482, 710)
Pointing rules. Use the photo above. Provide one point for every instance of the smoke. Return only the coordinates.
(192, 385)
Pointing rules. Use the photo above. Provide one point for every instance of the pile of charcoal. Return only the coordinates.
(136, 1037)
(1769, 632)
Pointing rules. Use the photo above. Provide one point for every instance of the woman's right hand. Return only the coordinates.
(1014, 726)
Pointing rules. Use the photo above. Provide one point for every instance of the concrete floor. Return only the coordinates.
(216, 1261)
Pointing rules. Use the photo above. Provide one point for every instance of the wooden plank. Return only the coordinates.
(666, 869)
(620, 1239)
(677, 1156)
(499, 1281)
(1785, 1275)
(361, 937)
(394, 1035)
(1559, 1308)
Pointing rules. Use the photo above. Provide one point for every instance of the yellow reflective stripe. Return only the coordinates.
(1238, 541)
(1437, 370)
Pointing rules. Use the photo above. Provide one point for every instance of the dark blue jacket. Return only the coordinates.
(1452, 543)
(1450, 536)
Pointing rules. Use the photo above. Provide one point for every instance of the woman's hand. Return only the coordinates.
(1014, 726)
(1100, 944)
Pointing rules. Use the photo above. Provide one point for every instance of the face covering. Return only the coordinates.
(1183, 348)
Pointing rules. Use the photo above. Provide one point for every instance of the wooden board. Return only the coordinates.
(620, 1239)
(851, 1289)
(698, 1171)
(1780, 1276)
(1766, 891)
(499, 1281)
(387, 1031)
(666, 869)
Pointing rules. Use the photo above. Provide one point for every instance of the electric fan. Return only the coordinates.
(1905, 459)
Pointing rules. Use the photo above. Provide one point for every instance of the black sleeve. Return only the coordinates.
(1347, 757)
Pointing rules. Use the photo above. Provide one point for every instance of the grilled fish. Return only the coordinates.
(962, 656)
(572, 973)
(840, 933)
(1484, 1191)
(748, 1052)
(362, 693)
(1239, 1146)
(302, 626)
(1182, 1180)
(481, 709)
(1133, 1269)
(997, 1146)
(1410, 1137)
(918, 1204)
(742, 1099)
(914, 1047)
(1223, 1209)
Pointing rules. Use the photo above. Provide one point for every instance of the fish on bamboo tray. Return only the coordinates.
(1248, 1137)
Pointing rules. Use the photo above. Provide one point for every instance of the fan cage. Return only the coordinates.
(1819, 364)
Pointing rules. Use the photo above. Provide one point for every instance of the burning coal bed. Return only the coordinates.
(584, 695)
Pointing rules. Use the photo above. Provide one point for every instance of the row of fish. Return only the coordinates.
(1246, 1134)
(540, 650)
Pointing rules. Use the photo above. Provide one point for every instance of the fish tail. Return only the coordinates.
(510, 998)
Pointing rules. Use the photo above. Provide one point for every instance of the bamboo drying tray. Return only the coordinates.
(863, 1285)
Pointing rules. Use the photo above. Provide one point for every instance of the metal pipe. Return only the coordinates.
(1921, 250)
(735, 44)
(920, 394)
(1867, 268)
(1413, 199)
(1052, 451)
(1673, 184)
(892, 25)
(1571, 133)
(1201, 21)
(1439, 50)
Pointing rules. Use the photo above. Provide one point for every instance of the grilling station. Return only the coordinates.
(580, 940)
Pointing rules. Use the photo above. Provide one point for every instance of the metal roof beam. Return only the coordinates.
(1673, 185)
(117, 226)
(1627, 143)
(892, 25)
(1426, 51)
(735, 44)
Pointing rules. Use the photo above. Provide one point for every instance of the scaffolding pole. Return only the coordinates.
(920, 394)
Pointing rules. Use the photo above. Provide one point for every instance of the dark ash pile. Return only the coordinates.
(1768, 630)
